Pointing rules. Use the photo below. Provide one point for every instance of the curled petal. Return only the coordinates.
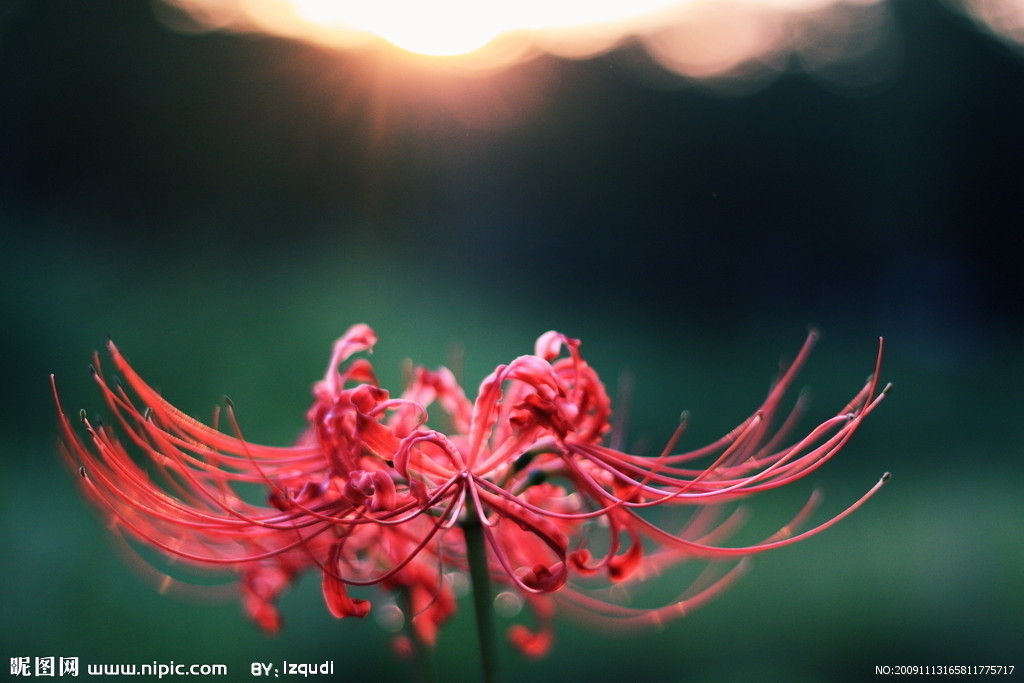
(358, 338)
(260, 588)
(335, 592)
(622, 566)
(374, 489)
(550, 344)
(532, 644)
(535, 643)
(545, 579)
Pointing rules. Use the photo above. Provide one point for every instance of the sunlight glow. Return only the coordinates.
(692, 38)
(1003, 18)
(849, 43)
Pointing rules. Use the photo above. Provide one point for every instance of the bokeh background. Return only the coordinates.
(224, 206)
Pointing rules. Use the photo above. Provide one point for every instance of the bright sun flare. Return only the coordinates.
(693, 38)
(424, 28)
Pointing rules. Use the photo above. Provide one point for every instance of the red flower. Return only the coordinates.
(373, 494)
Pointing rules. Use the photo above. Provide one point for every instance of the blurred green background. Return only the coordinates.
(225, 206)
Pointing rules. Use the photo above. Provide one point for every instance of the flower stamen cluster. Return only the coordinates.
(372, 494)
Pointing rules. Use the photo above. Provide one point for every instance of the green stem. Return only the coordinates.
(483, 600)
(421, 650)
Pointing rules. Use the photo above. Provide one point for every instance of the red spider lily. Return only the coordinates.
(371, 494)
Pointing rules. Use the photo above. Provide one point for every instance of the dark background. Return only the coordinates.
(225, 206)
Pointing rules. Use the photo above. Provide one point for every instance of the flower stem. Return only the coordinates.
(483, 600)
(421, 650)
